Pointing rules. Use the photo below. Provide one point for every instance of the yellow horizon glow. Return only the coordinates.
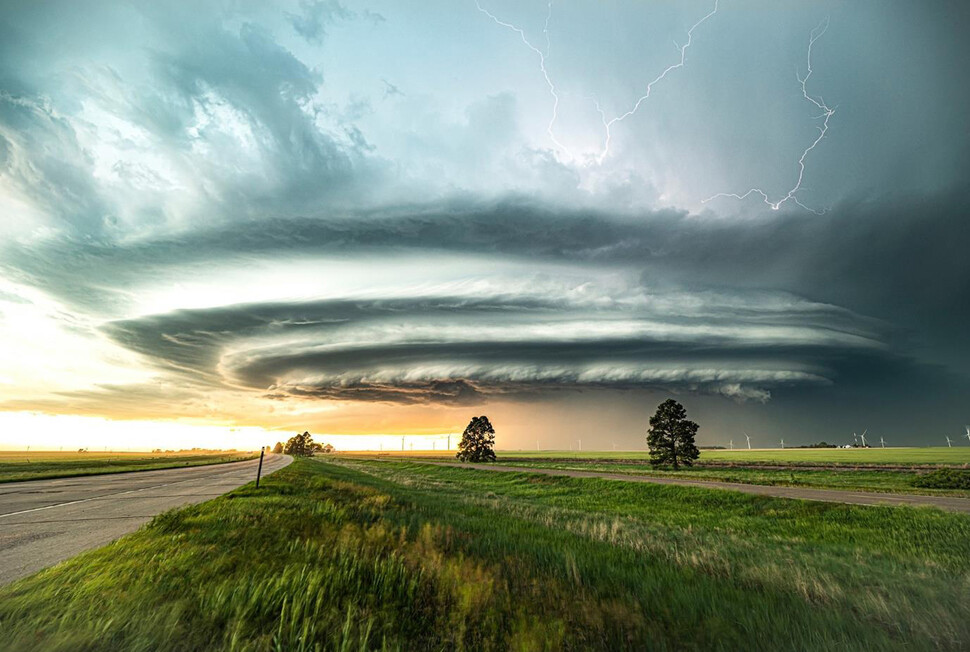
(48, 432)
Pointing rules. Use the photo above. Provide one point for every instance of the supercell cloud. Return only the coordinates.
(353, 217)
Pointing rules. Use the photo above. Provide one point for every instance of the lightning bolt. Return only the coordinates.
(542, 67)
(608, 124)
(827, 113)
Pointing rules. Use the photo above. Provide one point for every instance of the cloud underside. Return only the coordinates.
(461, 350)
(517, 300)
(191, 196)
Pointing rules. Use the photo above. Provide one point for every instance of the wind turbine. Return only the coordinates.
(580, 444)
(783, 444)
(749, 440)
(882, 442)
(855, 438)
(864, 437)
(968, 432)
(731, 443)
(948, 442)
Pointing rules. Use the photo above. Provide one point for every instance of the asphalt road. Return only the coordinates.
(43, 522)
(949, 503)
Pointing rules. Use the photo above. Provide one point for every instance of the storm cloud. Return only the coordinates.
(219, 206)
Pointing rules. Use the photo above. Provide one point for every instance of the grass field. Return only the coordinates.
(23, 465)
(839, 478)
(956, 456)
(850, 469)
(353, 554)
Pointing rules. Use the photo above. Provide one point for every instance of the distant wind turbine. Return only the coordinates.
(749, 440)
(948, 442)
(864, 437)
(855, 438)
(783, 443)
(882, 442)
(731, 443)
(580, 444)
(968, 431)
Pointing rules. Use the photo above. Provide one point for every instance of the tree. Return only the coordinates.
(477, 441)
(300, 445)
(278, 448)
(671, 436)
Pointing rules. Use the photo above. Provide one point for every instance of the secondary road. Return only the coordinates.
(43, 522)
(949, 503)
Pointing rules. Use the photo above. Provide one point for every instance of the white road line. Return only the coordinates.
(119, 493)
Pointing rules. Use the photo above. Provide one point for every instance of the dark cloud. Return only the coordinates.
(511, 346)
(157, 144)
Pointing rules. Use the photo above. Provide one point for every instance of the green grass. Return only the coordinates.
(959, 455)
(20, 465)
(352, 554)
(835, 478)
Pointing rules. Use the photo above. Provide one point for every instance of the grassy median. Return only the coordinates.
(394, 555)
(16, 466)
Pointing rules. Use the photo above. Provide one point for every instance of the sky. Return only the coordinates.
(225, 222)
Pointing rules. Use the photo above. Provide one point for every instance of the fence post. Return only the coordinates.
(259, 470)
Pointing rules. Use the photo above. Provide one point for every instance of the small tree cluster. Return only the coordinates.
(671, 436)
(299, 445)
(278, 448)
(477, 441)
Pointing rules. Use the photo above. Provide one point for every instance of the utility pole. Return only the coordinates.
(259, 469)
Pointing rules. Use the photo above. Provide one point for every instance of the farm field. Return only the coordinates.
(895, 481)
(901, 456)
(357, 554)
(883, 470)
(22, 465)
(909, 456)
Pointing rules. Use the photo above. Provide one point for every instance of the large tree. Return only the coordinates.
(477, 441)
(300, 445)
(671, 436)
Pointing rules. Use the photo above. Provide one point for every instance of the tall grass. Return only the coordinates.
(344, 555)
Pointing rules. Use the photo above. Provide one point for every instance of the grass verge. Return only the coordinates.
(347, 554)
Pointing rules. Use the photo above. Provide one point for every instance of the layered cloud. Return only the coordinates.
(225, 211)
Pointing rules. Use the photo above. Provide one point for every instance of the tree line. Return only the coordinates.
(670, 439)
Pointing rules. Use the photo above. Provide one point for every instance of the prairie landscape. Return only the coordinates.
(347, 553)
(484, 325)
